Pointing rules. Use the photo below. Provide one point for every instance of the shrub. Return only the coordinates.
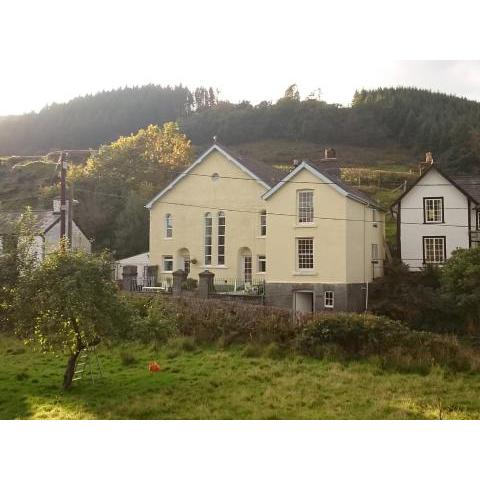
(364, 336)
(252, 350)
(275, 351)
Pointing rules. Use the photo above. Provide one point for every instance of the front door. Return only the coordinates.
(186, 264)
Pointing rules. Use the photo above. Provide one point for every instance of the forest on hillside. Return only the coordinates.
(416, 119)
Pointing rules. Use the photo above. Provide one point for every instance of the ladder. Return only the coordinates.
(86, 362)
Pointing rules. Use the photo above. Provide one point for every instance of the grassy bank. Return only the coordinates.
(235, 383)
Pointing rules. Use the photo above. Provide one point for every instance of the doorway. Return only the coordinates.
(303, 302)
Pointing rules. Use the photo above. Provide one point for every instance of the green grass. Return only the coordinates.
(209, 383)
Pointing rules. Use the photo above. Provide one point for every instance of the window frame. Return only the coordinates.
(221, 238)
(207, 246)
(168, 226)
(263, 223)
(261, 259)
(434, 237)
(477, 219)
(164, 259)
(298, 242)
(375, 249)
(442, 210)
(301, 214)
(329, 299)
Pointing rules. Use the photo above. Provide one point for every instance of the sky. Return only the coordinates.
(53, 51)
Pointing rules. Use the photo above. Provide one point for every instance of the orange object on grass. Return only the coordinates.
(153, 367)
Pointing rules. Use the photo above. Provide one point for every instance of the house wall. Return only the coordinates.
(330, 261)
(79, 240)
(342, 248)
(413, 228)
(223, 194)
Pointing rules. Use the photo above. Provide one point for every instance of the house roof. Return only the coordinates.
(326, 176)
(468, 185)
(44, 220)
(264, 174)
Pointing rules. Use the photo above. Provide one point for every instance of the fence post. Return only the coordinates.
(129, 277)
(179, 276)
(205, 283)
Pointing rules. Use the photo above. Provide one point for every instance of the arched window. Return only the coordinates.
(168, 226)
(221, 239)
(208, 239)
(263, 223)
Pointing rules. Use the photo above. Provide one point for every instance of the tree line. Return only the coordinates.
(418, 119)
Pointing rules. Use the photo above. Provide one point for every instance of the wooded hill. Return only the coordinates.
(408, 119)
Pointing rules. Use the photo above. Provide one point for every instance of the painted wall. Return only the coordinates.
(222, 194)
(342, 249)
(79, 240)
(412, 227)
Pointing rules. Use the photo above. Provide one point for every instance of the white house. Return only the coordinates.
(436, 215)
(141, 261)
(47, 231)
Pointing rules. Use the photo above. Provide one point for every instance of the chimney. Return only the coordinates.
(329, 163)
(56, 206)
(427, 163)
(330, 154)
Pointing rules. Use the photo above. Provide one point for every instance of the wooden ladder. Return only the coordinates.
(86, 362)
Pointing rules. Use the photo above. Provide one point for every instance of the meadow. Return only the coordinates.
(238, 382)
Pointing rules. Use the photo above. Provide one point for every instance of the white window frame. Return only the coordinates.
(167, 258)
(302, 241)
(305, 207)
(222, 226)
(438, 242)
(434, 206)
(207, 239)
(329, 299)
(263, 223)
(375, 252)
(262, 260)
(168, 225)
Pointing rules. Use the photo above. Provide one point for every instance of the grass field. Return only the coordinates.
(210, 383)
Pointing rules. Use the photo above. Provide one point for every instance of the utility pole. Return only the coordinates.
(70, 215)
(63, 194)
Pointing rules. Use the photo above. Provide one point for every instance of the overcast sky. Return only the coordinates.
(54, 50)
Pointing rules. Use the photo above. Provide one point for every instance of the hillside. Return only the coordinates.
(403, 122)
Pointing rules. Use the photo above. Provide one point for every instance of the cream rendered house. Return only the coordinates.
(315, 241)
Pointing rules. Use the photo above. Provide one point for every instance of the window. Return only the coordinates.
(262, 263)
(208, 239)
(305, 253)
(478, 219)
(433, 210)
(374, 252)
(328, 299)
(305, 206)
(247, 269)
(263, 223)
(167, 263)
(221, 239)
(434, 249)
(168, 226)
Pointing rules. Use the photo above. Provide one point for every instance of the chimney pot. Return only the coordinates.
(330, 153)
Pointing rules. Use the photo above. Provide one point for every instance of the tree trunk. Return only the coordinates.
(70, 370)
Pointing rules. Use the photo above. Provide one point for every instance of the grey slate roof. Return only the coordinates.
(44, 219)
(469, 183)
(352, 191)
(270, 175)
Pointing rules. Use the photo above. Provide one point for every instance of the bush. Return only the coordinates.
(363, 336)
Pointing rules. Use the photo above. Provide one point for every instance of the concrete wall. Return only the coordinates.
(413, 229)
